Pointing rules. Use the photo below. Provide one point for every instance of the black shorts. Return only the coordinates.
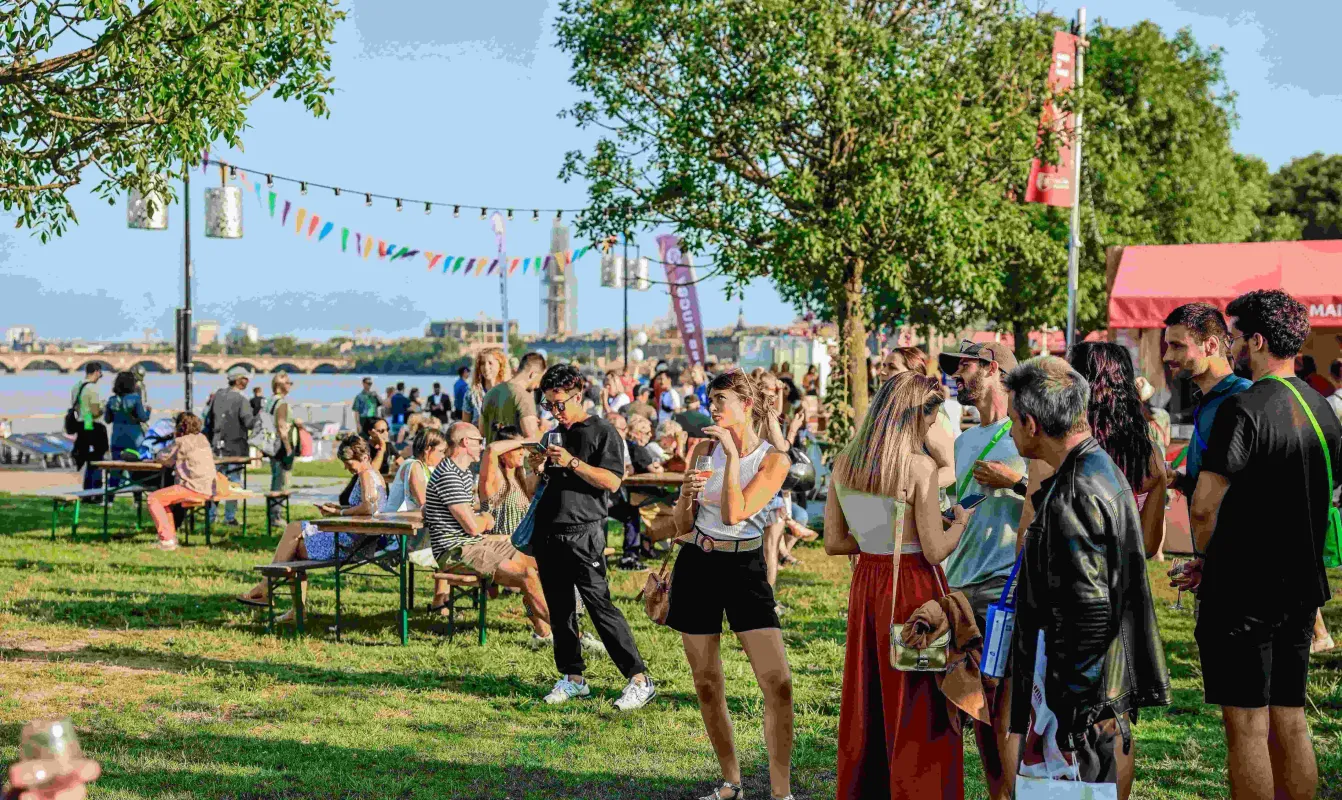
(704, 586)
(1252, 662)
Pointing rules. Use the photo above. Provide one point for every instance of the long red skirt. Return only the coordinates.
(895, 736)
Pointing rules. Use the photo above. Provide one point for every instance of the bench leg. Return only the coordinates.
(286, 510)
(268, 507)
(483, 592)
(451, 611)
(207, 522)
(107, 504)
(55, 507)
(337, 624)
(139, 510)
(270, 604)
(190, 526)
(299, 585)
(74, 524)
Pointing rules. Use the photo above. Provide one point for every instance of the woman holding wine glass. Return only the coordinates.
(721, 572)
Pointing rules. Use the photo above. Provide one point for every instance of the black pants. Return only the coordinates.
(627, 514)
(573, 556)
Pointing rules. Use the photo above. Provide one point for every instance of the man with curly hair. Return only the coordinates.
(1260, 514)
(570, 540)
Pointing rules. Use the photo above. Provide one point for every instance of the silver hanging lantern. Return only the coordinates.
(638, 275)
(146, 212)
(223, 212)
(612, 271)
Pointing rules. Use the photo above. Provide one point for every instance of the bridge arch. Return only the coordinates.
(44, 363)
(206, 367)
(325, 368)
(152, 365)
(247, 365)
(292, 369)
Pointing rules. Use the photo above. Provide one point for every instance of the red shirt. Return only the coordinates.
(1321, 384)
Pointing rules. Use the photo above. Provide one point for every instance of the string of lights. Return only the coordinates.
(400, 201)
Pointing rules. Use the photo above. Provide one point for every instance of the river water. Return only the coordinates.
(35, 401)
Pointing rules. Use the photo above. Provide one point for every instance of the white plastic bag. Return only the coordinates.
(1056, 777)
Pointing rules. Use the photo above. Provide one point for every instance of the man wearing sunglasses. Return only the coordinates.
(570, 540)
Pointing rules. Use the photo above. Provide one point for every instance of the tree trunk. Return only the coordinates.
(1021, 332)
(853, 331)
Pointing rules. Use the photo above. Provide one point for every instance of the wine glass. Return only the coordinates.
(54, 743)
(1176, 569)
(703, 467)
(553, 439)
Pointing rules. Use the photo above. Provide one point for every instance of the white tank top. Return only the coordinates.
(709, 522)
(872, 519)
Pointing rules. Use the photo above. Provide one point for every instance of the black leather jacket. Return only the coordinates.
(1083, 583)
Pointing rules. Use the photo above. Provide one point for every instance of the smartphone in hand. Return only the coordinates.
(967, 502)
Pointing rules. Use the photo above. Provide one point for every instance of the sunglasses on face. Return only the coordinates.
(557, 404)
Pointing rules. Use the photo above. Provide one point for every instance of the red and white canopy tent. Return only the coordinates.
(1147, 282)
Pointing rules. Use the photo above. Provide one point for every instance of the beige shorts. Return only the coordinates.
(483, 557)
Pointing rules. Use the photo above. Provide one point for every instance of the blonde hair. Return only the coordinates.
(280, 377)
(639, 422)
(877, 460)
(500, 357)
(669, 428)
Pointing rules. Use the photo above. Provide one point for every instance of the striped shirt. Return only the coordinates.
(449, 485)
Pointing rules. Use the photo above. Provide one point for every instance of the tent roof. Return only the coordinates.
(1153, 280)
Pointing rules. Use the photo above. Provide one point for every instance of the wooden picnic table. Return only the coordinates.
(401, 524)
(153, 468)
(655, 479)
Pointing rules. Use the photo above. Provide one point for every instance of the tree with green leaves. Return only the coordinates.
(132, 90)
(835, 147)
(1305, 196)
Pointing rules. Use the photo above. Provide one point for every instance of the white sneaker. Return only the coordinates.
(565, 690)
(636, 695)
(539, 642)
(591, 644)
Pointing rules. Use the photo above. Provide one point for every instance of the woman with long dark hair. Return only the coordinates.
(1119, 425)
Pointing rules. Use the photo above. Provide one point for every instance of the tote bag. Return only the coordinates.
(1055, 776)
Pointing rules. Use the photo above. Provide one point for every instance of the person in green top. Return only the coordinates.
(91, 440)
(513, 402)
(367, 406)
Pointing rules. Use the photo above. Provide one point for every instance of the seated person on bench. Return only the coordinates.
(193, 466)
(305, 541)
(457, 532)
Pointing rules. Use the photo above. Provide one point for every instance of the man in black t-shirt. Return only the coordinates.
(570, 540)
(1260, 514)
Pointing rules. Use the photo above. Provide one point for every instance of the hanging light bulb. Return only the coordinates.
(270, 181)
(302, 187)
(482, 213)
(233, 172)
(428, 207)
(398, 204)
(456, 211)
(367, 199)
(559, 215)
(510, 215)
(535, 215)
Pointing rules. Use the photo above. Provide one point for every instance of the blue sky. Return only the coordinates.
(458, 102)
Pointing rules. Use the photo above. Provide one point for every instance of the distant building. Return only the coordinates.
(22, 338)
(205, 332)
(472, 331)
(559, 290)
(243, 333)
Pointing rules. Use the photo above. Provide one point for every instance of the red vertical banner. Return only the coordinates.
(684, 297)
(1051, 184)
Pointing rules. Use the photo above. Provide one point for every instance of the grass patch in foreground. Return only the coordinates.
(179, 692)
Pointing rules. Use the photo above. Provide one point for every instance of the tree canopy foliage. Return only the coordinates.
(131, 89)
(832, 146)
(1305, 196)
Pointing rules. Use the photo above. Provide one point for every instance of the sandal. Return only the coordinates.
(737, 793)
(248, 600)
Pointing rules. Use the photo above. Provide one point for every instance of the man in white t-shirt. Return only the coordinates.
(986, 462)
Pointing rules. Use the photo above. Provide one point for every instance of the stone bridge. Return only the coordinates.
(65, 361)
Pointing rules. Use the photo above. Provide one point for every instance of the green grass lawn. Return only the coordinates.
(179, 692)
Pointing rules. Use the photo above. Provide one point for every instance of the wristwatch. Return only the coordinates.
(1022, 486)
(574, 460)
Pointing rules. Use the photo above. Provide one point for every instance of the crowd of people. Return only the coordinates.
(1049, 503)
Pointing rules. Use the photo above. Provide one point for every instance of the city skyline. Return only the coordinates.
(471, 116)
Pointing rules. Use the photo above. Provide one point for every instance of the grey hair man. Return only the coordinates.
(228, 422)
(1083, 594)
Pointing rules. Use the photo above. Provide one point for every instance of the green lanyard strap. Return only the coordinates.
(1327, 457)
(997, 437)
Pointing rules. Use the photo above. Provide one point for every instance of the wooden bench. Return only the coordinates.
(76, 499)
(274, 499)
(192, 506)
(295, 574)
